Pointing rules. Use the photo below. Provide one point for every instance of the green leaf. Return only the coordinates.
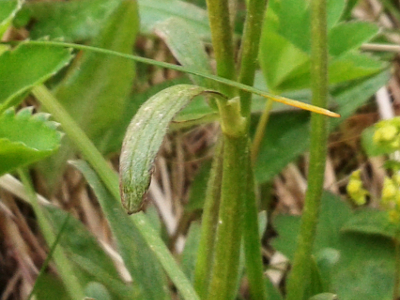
(287, 136)
(139, 259)
(153, 12)
(8, 10)
(370, 221)
(278, 57)
(324, 296)
(95, 90)
(72, 21)
(97, 291)
(349, 36)
(186, 46)
(26, 66)
(335, 9)
(143, 140)
(189, 253)
(25, 138)
(363, 266)
(197, 193)
(83, 249)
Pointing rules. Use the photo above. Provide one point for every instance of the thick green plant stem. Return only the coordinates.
(64, 267)
(227, 249)
(252, 241)
(209, 224)
(249, 50)
(111, 182)
(221, 36)
(319, 78)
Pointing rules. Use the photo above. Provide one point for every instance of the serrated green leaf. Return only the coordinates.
(370, 221)
(26, 66)
(349, 36)
(153, 11)
(139, 259)
(8, 10)
(186, 46)
(72, 20)
(143, 140)
(25, 139)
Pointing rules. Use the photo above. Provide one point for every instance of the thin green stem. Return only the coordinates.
(64, 267)
(319, 76)
(260, 130)
(209, 224)
(249, 50)
(252, 241)
(221, 37)
(227, 249)
(225, 81)
(110, 180)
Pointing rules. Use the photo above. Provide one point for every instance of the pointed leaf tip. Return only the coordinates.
(143, 140)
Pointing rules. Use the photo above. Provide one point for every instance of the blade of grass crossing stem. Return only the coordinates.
(110, 180)
(49, 256)
(209, 224)
(319, 76)
(228, 82)
(64, 266)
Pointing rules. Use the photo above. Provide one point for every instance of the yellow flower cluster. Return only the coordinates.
(391, 198)
(387, 133)
(355, 189)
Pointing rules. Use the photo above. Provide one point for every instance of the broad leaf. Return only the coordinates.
(8, 10)
(285, 48)
(25, 138)
(153, 12)
(349, 36)
(363, 266)
(72, 21)
(27, 66)
(139, 259)
(143, 140)
(370, 221)
(95, 90)
(186, 46)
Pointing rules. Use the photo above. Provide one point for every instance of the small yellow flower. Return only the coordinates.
(389, 191)
(355, 189)
(386, 133)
